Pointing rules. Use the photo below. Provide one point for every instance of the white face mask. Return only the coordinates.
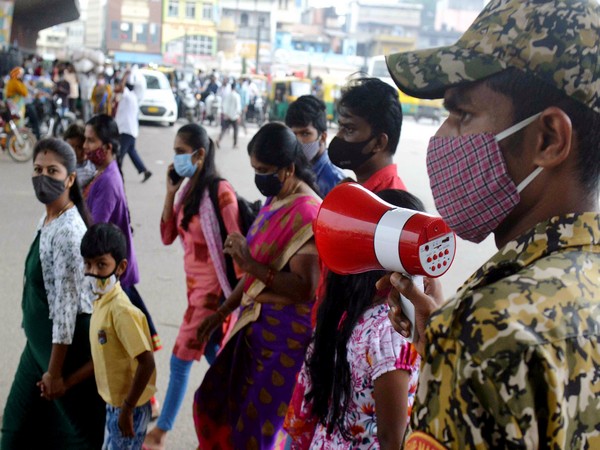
(102, 285)
(311, 149)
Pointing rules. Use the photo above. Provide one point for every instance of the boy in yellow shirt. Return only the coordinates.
(120, 341)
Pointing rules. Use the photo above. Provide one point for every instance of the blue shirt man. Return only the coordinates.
(308, 120)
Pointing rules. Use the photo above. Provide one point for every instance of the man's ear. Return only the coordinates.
(121, 268)
(381, 143)
(323, 138)
(555, 139)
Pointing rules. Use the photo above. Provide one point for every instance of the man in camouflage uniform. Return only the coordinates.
(513, 359)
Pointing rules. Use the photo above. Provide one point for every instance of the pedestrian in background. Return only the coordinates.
(53, 401)
(232, 111)
(102, 96)
(126, 116)
(71, 77)
(86, 170)
(86, 85)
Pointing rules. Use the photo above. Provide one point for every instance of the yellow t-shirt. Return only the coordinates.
(118, 334)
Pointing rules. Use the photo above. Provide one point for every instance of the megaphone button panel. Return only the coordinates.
(441, 252)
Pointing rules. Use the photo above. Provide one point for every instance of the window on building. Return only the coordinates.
(244, 20)
(173, 9)
(126, 32)
(141, 33)
(207, 11)
(190, 9)
(115, 30)
(199, 45)
(154, 33)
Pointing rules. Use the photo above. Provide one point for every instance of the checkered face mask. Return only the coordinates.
(471, 187)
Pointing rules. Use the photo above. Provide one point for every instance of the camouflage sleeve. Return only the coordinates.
(486, 404)
(469, 398)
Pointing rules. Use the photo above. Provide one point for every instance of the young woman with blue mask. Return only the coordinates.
(193, 217)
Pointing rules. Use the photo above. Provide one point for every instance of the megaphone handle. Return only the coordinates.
(408, 310)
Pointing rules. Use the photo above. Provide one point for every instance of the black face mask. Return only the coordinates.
(268, 184)
(47, 189)
(348, 155)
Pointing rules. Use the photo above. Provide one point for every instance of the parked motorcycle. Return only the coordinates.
(55, 118)
(18, 142)
(213, 109)
(256, 111)
(191, 106)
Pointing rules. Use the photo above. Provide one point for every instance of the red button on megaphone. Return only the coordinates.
(356, 231)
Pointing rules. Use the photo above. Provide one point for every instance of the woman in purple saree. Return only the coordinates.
(243, 398)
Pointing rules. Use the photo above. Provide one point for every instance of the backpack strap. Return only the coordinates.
(213, 191)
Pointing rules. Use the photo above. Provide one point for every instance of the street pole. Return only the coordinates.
(257, 46)
(185, 50)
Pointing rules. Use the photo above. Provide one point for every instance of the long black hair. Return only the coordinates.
(196, 137)
(107, 130)
(347, 297)
(66, 156)
(276, 144)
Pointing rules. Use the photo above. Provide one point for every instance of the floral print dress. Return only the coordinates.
(374, 349)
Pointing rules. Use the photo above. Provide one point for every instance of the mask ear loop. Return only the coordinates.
(523, 184)
(517, 127)
(512, 130)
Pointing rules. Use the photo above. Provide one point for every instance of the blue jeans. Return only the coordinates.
(178, 382)
(114, 440)
(127, 143)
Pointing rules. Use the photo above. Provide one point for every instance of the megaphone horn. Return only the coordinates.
(356, 231)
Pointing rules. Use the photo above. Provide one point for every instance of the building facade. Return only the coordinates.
(133, 30)
(189, 36)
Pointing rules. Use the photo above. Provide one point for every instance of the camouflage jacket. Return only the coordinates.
(513, 360)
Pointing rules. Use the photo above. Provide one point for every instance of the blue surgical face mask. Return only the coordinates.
(184, 166)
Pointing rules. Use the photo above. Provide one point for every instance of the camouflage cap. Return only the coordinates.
(554, 40)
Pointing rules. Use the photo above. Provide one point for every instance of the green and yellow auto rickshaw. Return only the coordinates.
(284, 91)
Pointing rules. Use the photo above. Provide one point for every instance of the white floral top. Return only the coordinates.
(374, 349)
(62, 269)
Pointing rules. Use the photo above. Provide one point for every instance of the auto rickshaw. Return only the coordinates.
(430, 109)
(284, 91)
(332, 91)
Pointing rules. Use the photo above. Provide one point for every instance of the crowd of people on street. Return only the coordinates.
(301, 357)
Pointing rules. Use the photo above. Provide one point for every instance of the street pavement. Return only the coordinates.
(162, 282)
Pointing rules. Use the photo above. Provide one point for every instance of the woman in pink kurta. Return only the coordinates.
(194, 219)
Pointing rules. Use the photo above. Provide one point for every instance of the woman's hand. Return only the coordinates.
(172, 188)
(51, 387)
(208, 326)
(425, 304)
(237, 247)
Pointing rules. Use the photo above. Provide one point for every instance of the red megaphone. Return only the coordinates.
(356, 231)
